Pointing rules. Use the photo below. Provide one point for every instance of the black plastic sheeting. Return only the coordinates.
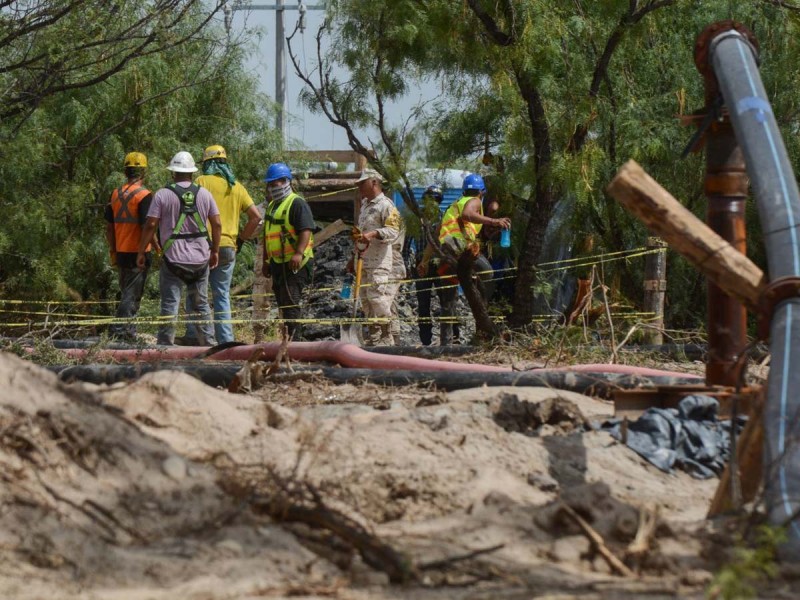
(688, 438)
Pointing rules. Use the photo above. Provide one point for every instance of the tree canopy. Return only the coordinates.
(564, 92)
(88, 82)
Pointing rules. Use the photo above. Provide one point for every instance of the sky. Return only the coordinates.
(312, 131)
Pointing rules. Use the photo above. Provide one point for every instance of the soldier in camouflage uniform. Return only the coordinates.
(398, 274)
(379, 225)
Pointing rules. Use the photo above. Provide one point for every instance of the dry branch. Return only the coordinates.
(300, 502)
(640, 546)
(597, 543)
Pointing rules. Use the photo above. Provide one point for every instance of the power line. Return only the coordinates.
(280, 46)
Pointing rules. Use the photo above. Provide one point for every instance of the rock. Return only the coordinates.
(519, 416)
(569, 549)
(612, 519)
(543, 482)
(174, 467)
(697, 577)
(230, 548)
(279, 417)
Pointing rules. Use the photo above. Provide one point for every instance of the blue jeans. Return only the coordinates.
(220, 281)
(197, 308)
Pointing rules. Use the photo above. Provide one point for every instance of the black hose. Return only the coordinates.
(220, 375)
(213, 374)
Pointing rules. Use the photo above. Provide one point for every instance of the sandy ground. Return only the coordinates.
(166, 488)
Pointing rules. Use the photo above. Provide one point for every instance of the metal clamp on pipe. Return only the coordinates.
(778, 290)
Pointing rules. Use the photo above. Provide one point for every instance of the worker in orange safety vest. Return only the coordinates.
(125, 214)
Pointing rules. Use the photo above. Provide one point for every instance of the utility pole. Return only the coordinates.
(280, 70)
(280, 46)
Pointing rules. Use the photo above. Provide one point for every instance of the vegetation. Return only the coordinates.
(151, 76)
(549, 98)
(751, 564)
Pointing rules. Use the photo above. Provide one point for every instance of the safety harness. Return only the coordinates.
(188, 199)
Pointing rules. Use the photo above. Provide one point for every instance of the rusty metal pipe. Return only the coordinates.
(725, 187)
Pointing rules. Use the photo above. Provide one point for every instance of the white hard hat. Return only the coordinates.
(182, 162)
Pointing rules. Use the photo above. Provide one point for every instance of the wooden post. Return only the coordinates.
(665, 217)
(741, 479)
(655, 288)
(262, 287)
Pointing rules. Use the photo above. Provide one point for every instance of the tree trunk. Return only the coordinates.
(541, 205)
(541, 213)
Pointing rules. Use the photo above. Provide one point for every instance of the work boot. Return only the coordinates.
(387, 339)
(373, 336)
(185, 340)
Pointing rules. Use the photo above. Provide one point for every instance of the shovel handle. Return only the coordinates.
(359, 264)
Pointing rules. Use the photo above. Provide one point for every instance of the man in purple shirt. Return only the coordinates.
(180, 212)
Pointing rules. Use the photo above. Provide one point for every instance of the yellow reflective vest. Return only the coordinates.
(280, 237)
(455, 226)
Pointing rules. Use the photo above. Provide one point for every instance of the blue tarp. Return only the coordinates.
(450, 196)
(689, 437)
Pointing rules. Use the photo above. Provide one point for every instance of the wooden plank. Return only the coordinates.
(632, 403)
(667, 218)
(750, 455)
(321, 197)
(325, 175)
(339, 156)
(331, 230)
(327, 184)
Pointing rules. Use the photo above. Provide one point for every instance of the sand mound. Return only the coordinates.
(141, 490)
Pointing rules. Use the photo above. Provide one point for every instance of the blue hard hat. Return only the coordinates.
(473, 181)
(435, 191)
(278, 171)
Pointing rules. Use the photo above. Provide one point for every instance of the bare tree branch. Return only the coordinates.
(35, 70)
(498, 36)
(633, 16)
(783, 4)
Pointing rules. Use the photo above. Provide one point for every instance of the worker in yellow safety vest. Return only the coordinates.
(233, 200)
(288, 245)
(460, 229)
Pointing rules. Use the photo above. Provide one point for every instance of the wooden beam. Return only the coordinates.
(328, 197)
(339, 156)
(325, 175)
(749, 465)
(667, 218)
(328, 184)
(331, 230)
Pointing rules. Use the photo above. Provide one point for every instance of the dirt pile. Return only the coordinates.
(154, 490)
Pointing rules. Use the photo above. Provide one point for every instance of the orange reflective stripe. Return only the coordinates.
(453, 224)
(280, 236)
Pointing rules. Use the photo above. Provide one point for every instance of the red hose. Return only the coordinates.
(342, 353)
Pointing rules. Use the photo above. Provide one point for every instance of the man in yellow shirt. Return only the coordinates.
(232, 200)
